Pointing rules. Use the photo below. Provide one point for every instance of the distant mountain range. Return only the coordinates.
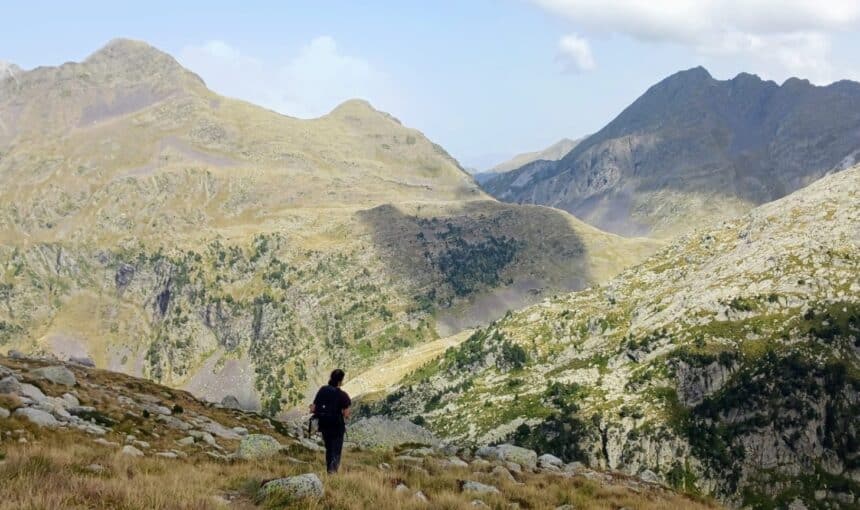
(554, 152)
(693, 150)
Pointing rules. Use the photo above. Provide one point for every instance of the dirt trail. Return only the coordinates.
(386, 375)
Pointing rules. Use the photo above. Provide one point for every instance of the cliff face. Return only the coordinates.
(694, 150)
(726, 363)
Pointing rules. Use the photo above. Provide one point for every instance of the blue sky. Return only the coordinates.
(485, 79)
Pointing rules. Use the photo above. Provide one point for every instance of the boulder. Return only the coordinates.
(258, 446)
(4, 413)
(242, 431)
(382, 433)
(131, 451)
(478, 487)
(31, 392)
(303, 486)
(503, 473)
(401, 489)
(37, 416)
(167, 455)
(70, 401)
(420, 496)
(513, 467)
(547, 460)
(231, 402)
(522, 456)
(456, 462)
(477, 503)
(186, 441)
(9, 384)
(649, 476)
(487, 452)
(56, 374)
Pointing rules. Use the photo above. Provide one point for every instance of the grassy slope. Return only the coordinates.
(49, 470)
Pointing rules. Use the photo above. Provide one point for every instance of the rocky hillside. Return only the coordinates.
(727, 364)
(165, 231)
(554, 152)
(76, 437)
(693, 150)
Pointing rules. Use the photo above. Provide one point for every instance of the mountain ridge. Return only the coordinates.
(691, 140)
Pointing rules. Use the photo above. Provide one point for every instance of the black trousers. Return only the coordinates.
(333, 439)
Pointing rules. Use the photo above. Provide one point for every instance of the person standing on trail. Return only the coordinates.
(331, 410)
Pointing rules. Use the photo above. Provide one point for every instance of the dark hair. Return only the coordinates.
(336, 377)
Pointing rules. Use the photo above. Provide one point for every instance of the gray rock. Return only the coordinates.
(174, 422)
(83, 361)
(381, 433)
(4, 413)
(231, 402)
(649, 476)
(573, 467)
(522, 456)
(503, 473)
(203, 436)
(31, 392)
(797, 504)
(258, 446)
(488, 452)
(186, 441)
(456, 462)
(216, 429)
(5, 372)
(95, 468)
(56, 374)
(310, 445)
(477, 503)
(298, 487)
(401, 489)
(9, 384)
(242, 431)
(420, 496)
(513, 467)
(14, 354)
(131, 451)
(547, 460)
(70, 400)
(167, 455)
(104, 442)
(38, 417)
(478, 487)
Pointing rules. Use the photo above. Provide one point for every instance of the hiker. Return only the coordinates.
(331, 410)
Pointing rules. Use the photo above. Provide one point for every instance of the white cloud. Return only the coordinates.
(308, 84)
(574, 52)
(784, 36)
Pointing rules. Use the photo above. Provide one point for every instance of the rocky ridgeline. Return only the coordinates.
(727, 364)
(137, 419)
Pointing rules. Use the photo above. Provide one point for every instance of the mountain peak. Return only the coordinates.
(133, 58)
(360, 108)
